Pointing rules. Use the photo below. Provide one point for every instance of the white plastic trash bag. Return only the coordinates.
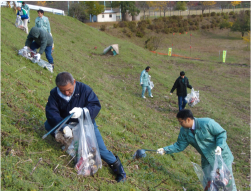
(151, 82)
(19, 23)
(215, 178)
(29, 54)
(193, 98)
(88, 159)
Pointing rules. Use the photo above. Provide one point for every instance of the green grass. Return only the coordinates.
(126, 121)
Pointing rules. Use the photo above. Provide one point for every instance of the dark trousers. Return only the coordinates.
(105, 154)
(182, 102)
(35, 46)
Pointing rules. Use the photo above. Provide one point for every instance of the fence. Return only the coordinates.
(35, 7)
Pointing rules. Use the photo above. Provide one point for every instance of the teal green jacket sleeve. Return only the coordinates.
(220, 134)
(179, 146)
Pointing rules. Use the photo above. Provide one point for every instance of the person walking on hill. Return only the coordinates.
(26, 7)
(42, 21)
(181, 84)
(206, 136)
(38, 38)
(145, 82)
(22, 13)
(71, 96)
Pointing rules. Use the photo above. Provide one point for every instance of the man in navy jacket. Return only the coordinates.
(72, 96)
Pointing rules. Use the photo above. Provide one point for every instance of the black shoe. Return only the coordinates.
(118, 169)
(52, 66)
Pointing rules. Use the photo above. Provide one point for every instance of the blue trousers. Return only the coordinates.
(35, 46)
(105, 154)
(144, 90)
(182, 102)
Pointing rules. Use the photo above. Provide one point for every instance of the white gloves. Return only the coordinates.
(218, 150)
(149, 76)
(77, 112)
(67, 132)
(18, 16)
(192, 89)
(50, 34)
(161, 151)
(38, 56)
(26, 47)
(171, 93)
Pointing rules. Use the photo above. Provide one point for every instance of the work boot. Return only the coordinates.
(118, 169)
(52, 66)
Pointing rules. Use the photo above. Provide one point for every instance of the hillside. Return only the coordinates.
(126, 121)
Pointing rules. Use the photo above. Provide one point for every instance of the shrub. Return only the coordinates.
(123, 24)
(213, 14)
(124, 30)
(170, 30)
(153, 43)
(129, 34)
(140, 33)
(222, 13)
(208, 26)
(203, 27)
(181, 24)
(148, 21)
(131, 24)
(218, 14)
(175, 29)
(166, 30)
(247, 12)
(195, 27)
(212, 26)
(193, 16)
(181, 30)
(191, 27)
(102, 27)
(225, 24)
(218, 20)
(158, 30)
(225, 17)
(142, 25)
(186, 29)
(196, 23)
(201, 16)
(165, 19)
(208, 14)
(151, 27)
(115, 25)
(204, 14)
(231, 13)
(234, 16)
(174, 25)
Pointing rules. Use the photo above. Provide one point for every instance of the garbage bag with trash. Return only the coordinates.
(193, 98)
(215, 178)
(29, 54)
(86, 150)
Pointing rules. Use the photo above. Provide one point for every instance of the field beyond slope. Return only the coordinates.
(126, 121)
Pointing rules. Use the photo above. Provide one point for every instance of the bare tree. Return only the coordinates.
(143, 6)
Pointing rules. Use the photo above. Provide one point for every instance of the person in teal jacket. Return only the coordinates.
(205, 135)
(27, 8)
(43, 21)
(145, 82)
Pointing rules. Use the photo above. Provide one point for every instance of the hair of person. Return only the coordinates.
(23, 2)
(147, 68)
(182, 73)
(64, 78)
(184, 114)
(41, 11)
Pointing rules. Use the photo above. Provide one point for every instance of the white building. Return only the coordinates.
(106, 16)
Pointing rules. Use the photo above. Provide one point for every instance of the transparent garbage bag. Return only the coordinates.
(29, 54)
(19, 23)
(151, 82)
(193, 98)
(85, 145)
(216, 178)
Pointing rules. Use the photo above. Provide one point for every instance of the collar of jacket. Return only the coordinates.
(197, 127)
(75, 95)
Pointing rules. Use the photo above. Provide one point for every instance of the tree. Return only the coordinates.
(181, 6)
(209, 4)
(247, 38)
(242, 23)
(41, 3)
(126, 6)
(158, 5)
(234, 3)
(223, 4)
(78, 11)
(143, 5)
(170, 5)
(94, 8)
(190, 4)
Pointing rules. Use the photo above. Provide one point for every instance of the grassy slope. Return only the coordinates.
(126, 121)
